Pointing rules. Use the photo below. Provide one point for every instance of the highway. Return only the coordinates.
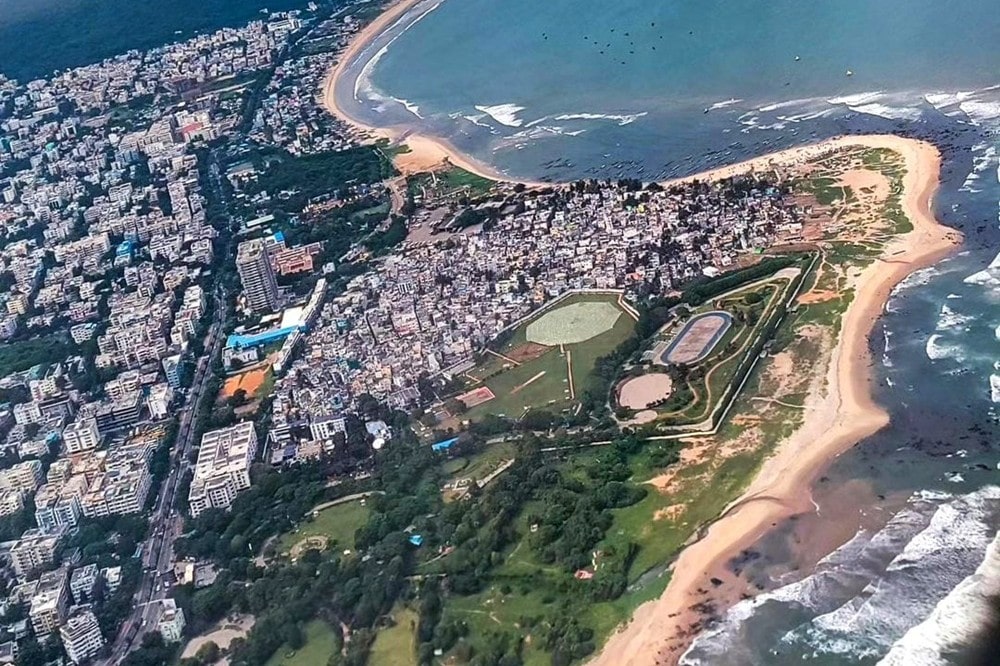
(164, 525)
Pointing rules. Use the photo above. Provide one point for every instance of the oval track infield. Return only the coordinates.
(698, 338)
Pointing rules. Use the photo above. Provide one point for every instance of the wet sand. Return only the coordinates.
(661, 630)
(426, 153)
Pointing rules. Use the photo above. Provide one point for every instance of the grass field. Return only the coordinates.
(337, 523)
(317, 649)
(551, 390)
(396, 646)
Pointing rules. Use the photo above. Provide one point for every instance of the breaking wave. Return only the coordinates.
(865, 599)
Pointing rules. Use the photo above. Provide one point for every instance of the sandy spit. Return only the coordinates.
(661, 630)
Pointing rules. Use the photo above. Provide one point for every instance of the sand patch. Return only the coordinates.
(642, 391)
(224, 633)
(672, 512)
(250, 381)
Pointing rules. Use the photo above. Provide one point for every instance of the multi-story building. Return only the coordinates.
(171, 623)
(173, 370)
(48, 606)
(23, 477)
(117, 491)
(57, 509)
(257, 276)
(11, 501)
(158, 401)
(82, 583)
(81, 435)
(34, 549)
(119, 413)
(223, 467)
(81, 637)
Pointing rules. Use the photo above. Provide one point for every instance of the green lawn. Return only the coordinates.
(486, 460)
(338, 523)
(396, 646)
(550, 391)
(552, 387)
(316, 651)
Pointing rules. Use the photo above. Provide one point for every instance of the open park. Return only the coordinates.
(697, 361)
(326, 526)
(544, 362)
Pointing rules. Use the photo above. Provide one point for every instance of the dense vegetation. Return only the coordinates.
(88, 31)
(318, 175)
(21, 355)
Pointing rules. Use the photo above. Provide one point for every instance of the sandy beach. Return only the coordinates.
(661, 630)
(844, 414)
(426, 153)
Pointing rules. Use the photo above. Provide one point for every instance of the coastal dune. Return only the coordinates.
(842, 416)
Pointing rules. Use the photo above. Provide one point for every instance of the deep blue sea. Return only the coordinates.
(577, 88)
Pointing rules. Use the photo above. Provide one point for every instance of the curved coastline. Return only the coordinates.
(660, 630)
(425, 152)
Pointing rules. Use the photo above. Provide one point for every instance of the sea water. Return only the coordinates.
(572, 88)
(524, 87)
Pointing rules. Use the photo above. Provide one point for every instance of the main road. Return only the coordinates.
(164, 525)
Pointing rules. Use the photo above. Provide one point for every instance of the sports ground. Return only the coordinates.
(698, 338)
(548, 358)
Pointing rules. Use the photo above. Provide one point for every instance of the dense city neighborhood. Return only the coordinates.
(204, 272)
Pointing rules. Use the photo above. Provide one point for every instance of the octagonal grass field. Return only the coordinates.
(547, 360)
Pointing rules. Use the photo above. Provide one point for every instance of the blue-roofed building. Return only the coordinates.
(241, 341)
(444, 445)
(416, 540)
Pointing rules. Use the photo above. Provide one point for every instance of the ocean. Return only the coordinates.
(682, 86)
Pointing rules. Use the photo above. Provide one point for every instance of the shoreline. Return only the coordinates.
(661, 630)
(426, 153)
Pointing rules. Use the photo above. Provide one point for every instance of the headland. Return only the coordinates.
(839, 417)
(839, 409)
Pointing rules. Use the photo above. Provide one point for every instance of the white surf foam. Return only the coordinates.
(885, 111)
(410, 106)
(363, 82)
(929, 567)
(956, 619)
(723, 104)
(505, 114)
(622, 119)
(995, 388)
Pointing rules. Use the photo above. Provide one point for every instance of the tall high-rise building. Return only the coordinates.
(257, 275)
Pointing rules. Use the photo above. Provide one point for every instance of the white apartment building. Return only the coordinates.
(223, 467)
(34, 549)
(117, 491)
(81, 435)
(82, 583)
(171, 623)
(59, 504)
(11, 501)
(23, 477)
(158, 401)
(48, 606)
(81, 637)
(257, 276)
